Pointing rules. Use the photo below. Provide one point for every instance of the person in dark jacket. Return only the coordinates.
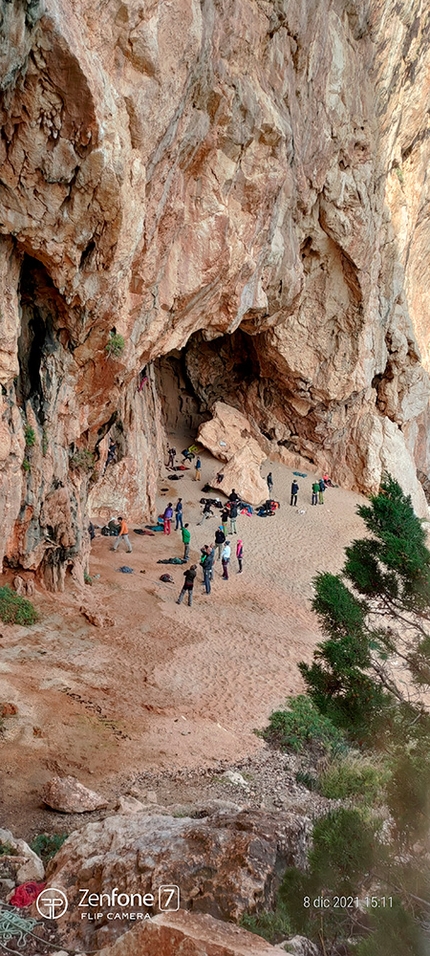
(294, 490)
(178, 513)
(321, 491)
(189, 576)
(219, 540)
(233, 516)
(207, 569)
(233, 496)
(269, 480)
(224, 520)
(172, 456)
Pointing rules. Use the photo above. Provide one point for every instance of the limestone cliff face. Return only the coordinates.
(242, 180)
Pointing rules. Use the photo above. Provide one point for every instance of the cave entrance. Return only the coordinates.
(44, 323)
(205, 371)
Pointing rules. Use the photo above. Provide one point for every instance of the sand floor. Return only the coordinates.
(168, 686)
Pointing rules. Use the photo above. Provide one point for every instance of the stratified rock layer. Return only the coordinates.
(242, 180)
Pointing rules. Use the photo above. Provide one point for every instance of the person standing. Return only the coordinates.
(233, 516)
(186, 538)
(239, 555)
(172, 456)
(269, 480)
(207, 565)
(123, 535)
(294, 490)
(321, 490)
(167, 517)
(188, 585)
(315, 490)
(219, 540)
(225, 559)
(178, 513)
(197, 475)
(224, 520)
(234, 496)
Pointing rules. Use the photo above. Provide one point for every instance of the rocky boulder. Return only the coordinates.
(227, 433)
(224, 864)
(67, 795)
(242, 473)
(22, 863)
(191, 934)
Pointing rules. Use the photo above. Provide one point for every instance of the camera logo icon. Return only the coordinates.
(52, 903)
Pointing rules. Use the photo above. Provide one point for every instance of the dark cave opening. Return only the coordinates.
(38, 317)
(203, 372)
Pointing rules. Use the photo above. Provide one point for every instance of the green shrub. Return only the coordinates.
(26, 465)
(115, 346)
(15, 609)
(6, 849)
(46, 846)
(30, 436)
(344, 854)
(82, 460)
(87, 578)
(301, 726)
(354, 778)
(272, 926)
(408, 792)
(307, 780)
(394, 932)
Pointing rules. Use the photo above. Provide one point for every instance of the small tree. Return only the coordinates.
(377, 618)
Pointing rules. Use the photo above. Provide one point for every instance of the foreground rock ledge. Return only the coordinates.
(225, 864)
(189, 934)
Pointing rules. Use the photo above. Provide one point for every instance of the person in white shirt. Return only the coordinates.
(225, 559)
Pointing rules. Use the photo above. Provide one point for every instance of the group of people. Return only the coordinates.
(318, 489)
(221, 550)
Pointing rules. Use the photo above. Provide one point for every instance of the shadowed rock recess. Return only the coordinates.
(239, 189)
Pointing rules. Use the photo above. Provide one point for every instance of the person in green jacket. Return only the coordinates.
(186, 538)
(315, 490)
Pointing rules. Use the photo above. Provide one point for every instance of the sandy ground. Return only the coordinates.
(168, 686)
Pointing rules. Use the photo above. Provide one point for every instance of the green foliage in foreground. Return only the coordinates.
(47, 845)
(377, 611)
(6, 849)
(374, 615)
(393, 932)
(273, 927)
(15, 609)
(303, 726)
(355, 779)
